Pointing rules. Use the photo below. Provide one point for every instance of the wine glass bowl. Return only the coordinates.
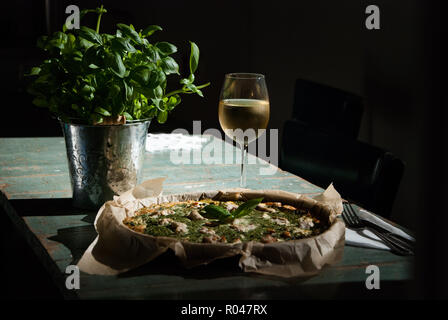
(244, 110)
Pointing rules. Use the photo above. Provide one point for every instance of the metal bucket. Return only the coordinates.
(103, 160)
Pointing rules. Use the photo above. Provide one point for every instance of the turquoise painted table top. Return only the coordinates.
(35, 193)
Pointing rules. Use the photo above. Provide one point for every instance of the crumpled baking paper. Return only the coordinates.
(118, 249)
(331, 198)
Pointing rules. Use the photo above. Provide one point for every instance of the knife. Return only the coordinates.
(391, 239)
(404, 242)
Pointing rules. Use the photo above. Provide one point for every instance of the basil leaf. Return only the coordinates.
(129, 32)
(166, 48)
(34, 71)
(121, 46)
(152, 53)
(102, 112)
(246, 207)
(116, 65)
(128, 91)
(90, 35)
(216, 212)
(156, 101)
(141, 75)
(169, 66)
(40, 102)
(96, 118)
(42, 42)
(162, 116)
(83, 43)
(156, 78)
(150, 30)
(194, 57)
(127, 116)
(172, 102)
(114, 90)
(93, 57)
(158, 92)
(184, 81)
(118, 104)
(194, 89)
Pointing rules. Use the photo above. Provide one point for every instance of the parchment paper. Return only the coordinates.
(118, 249)
(331, 198)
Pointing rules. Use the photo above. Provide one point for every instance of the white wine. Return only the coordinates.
(243, 114)
(244, 119)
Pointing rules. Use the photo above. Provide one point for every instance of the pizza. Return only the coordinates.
(213, 221)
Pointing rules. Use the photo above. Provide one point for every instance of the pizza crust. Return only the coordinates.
(118, 249)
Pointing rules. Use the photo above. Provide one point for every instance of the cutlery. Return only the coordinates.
(352, 220)
(402, 240)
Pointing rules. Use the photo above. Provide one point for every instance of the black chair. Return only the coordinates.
(362, 173)
(327, 108)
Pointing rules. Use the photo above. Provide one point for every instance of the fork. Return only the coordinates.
(353, 222)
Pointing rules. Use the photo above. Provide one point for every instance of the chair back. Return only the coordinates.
(362, 173)
(327, 108)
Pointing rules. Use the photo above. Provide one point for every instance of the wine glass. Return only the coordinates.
(244, 111)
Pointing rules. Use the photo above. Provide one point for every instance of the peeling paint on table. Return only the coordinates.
(35, 169)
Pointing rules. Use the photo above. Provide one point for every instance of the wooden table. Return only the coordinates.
(35, 195)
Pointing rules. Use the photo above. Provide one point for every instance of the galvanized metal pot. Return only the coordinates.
(103, 160)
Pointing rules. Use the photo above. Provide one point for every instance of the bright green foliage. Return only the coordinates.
(223, 215)
(89, 75)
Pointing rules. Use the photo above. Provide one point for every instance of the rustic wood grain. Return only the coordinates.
(35, 191)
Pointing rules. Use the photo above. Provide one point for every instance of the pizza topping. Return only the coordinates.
(208, 231)
(212, 221)
(164, 212)
(286, 234)
(166, 222)
(264, 207)
(195, 216)
(230, 205)
(288, 207)
(243, 225)
(274, 204)
(179, 227)
(268, 239)
(197, 204)
(211, 239)
(140, 228)
(266, 216)
(306, 223)
(301, 232)
(281, 221)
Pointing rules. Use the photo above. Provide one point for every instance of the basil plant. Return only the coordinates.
(96, 77)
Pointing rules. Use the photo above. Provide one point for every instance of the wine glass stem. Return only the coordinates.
(243, 164)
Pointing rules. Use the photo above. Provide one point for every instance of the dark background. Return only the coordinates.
(400, 70)
(323, 41)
